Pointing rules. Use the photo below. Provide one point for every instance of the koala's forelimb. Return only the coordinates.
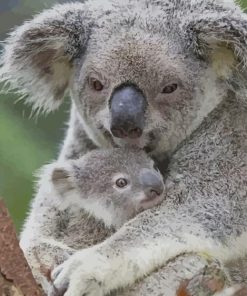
(139, 256)
(188, 274)
(168, 279)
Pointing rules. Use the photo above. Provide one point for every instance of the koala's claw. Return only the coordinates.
(89, 287)
(55, 273)
(77, 277)
(61, 278)
(55, 292)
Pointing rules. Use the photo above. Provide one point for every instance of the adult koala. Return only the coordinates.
(139, 72)
(146, 73)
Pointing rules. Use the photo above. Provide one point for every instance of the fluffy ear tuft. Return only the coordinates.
(37, 58)
(221, 38)
(61, 179)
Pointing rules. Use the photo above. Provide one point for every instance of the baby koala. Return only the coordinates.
(81, 202)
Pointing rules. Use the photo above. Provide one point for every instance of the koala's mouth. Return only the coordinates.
(144, 142)
(148, 203)
(147, 141)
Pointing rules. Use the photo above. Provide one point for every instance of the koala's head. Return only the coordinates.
(139, 72)
(113, 185)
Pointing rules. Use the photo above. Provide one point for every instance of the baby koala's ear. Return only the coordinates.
(62, 179)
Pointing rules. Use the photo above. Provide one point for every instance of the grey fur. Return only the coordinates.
(77, 205)
(199, 44)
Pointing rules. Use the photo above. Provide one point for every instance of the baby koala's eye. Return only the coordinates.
(170, 88)
(121, 182)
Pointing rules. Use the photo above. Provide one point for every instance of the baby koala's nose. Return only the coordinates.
(152, 183)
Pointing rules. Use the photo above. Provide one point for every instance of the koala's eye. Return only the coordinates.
(121, 182)
(96, 84)
(170, 88)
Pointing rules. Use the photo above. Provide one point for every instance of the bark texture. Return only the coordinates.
(16, 278)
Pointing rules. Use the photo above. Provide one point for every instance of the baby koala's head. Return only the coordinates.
(113, 185)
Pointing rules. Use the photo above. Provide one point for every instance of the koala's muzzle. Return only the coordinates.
(151, 183)
(127, 109)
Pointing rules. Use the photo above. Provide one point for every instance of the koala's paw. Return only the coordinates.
(81, 275)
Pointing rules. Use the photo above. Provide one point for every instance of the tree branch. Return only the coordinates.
(16, 278)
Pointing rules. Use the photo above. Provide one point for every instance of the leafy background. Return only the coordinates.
(26, 143)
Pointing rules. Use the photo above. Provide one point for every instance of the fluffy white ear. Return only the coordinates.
(37, 58)
(218, 33)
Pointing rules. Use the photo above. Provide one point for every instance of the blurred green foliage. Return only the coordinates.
(243, 3)
(25, 144)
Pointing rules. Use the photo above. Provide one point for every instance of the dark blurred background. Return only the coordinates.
(26, 143)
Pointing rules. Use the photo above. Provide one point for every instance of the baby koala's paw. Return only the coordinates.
(83, 274)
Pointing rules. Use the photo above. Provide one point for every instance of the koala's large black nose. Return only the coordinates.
(152, 183)
(127, 109)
